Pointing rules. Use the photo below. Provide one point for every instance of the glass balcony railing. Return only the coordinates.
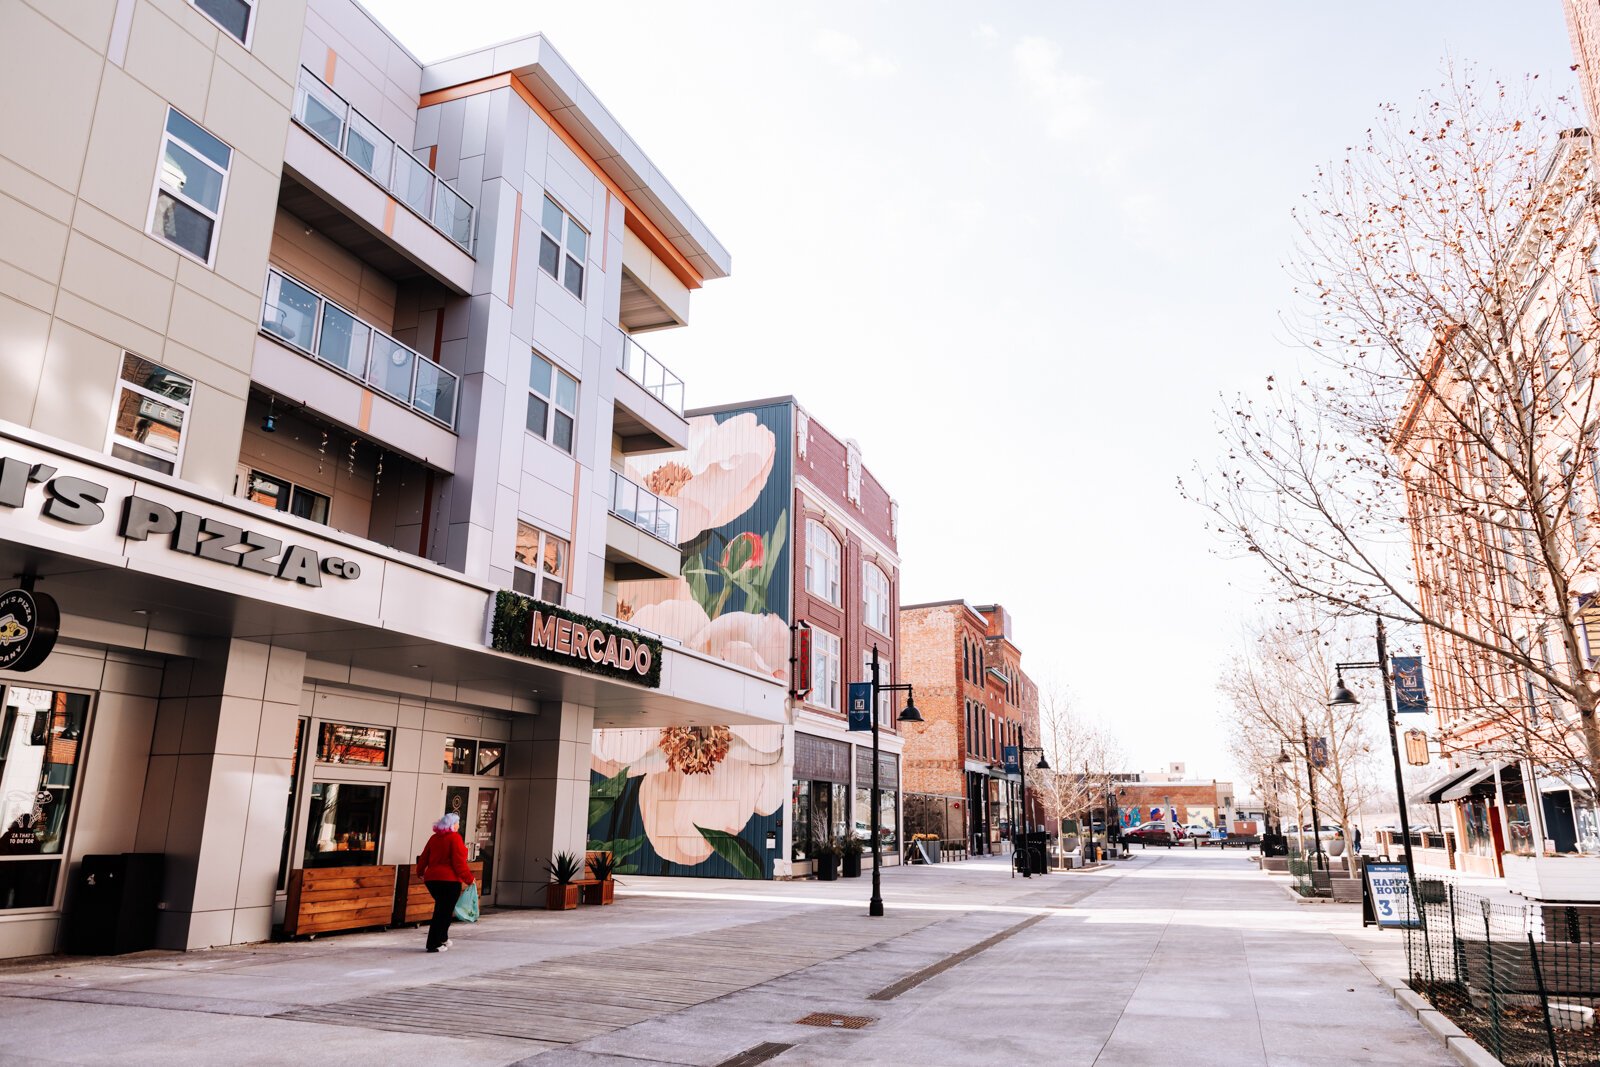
(638, 506)
(351, 134)
(303, 318)
(651, 373)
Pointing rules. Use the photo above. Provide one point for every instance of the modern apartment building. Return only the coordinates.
(976, 702)
(788, 558)
(318, 382)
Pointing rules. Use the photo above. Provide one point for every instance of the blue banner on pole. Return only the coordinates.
(1410, 691)
(1319, 751)
(1012, 758)
(861, 705)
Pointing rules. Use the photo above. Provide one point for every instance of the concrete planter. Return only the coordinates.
(1565, 878)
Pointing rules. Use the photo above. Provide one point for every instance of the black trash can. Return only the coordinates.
(113, 904)
(1035, 851)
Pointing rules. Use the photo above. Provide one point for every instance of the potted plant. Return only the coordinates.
(561, 894)
(850, 852)
(826, 857)
(602, 868)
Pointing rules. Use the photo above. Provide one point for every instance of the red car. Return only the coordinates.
(1155, 833)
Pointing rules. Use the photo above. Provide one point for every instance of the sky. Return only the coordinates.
(1019, 252)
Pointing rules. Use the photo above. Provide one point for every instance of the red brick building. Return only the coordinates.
(975, 701)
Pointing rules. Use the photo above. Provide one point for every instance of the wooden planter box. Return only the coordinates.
(412, 901)
(561, 897)
(326, 899)
(594, 891)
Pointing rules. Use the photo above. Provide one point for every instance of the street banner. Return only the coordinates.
(860, 705)
(1410, 691)
(1319, 751)
(1389, 890)
(1013, 759)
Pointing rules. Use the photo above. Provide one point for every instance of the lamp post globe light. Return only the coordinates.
(1343, 698)
(907, 714)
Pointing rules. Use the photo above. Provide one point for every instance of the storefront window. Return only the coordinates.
(41, 735)
(800, 805)
(300, 727)
(1588, 823)
(1480, 842)
(888, 819)
(339, 742)
(491, 758)
(344, 825)
(460, 755)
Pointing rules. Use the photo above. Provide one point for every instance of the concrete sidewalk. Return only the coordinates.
(1171, 958)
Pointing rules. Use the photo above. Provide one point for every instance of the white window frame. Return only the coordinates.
(564, 250)
(538, 571)
(825, 652)
(885, 674)
(158, 187)
(250, 24)
(112, 438)
(821, 566)
(875, 597)
(554, 406)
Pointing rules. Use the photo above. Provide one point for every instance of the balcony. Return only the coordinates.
(649, 401)
(641, 532)
(304, 319)
(350, 133)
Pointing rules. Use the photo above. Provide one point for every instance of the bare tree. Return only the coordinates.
(1437, 464)
(1082, 757)
(1276, 690)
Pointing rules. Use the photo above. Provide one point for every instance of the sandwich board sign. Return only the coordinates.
(1388, 888)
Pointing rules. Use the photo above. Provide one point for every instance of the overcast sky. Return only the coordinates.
(1017, 251)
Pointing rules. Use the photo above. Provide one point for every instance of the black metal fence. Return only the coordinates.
(1521, 979)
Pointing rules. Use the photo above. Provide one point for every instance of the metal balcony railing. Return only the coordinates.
(377, 155)
(651, 373)
(303, 318)
(638, 506)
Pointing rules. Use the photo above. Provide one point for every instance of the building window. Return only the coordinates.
(552, 403)
(822, 562)
(541, 570)
(190, 182)
(344, 824)
(824, 669)
(875, 597)
(148, 416)
(563, 247)
(284, 495)
(42, 733)
(235, 16)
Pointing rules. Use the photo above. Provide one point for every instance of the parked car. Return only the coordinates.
(1195, 829)
(1151, 833)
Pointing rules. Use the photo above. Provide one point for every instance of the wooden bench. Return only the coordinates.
(412, 901)
(326, 899)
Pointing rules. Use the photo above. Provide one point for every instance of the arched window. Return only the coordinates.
(822, 562)
(875, 597)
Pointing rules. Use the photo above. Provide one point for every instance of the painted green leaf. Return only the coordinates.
(737, 851)
(620, 849)
(774, 548)
(603, 795)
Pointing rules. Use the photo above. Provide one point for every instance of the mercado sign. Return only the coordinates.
(80, 502)
(532, 628)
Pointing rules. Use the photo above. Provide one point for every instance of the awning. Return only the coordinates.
(1460, 790)
(1430, 793)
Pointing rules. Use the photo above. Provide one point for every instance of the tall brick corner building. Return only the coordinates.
(975, 700)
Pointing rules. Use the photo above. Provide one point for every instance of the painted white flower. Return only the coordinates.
(718, 478)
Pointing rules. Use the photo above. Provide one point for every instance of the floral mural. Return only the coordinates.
(702, 799)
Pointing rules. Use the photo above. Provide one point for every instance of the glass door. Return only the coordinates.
(480, 840)
(42, 733)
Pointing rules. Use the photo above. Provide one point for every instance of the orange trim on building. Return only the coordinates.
(388, 218)
(516, 240)
(329, 66)
(605, 237)
(633, 217)
(364, 420)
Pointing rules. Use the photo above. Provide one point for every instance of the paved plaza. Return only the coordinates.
(1174, 957)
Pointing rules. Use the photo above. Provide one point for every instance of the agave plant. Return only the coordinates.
(602, 865)
(564, 868)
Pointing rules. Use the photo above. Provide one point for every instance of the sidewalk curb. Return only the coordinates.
(1466, 1051)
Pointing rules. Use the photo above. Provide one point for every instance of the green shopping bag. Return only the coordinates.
(467, 904)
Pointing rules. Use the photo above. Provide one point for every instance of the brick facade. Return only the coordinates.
(1195, 801)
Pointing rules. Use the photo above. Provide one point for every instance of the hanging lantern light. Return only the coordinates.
(1416, 748)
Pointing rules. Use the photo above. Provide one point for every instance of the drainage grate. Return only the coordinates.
(756, 1054)
(846, 1022)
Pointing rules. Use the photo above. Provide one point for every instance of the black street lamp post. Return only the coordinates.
(1020, 855)
(908, 714)
(1311, 781)
(1342, 697)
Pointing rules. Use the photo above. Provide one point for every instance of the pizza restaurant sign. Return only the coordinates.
(80, 502)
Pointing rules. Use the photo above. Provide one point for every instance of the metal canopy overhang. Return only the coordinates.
(1430, 794)
(1465, 786)
(125, 608)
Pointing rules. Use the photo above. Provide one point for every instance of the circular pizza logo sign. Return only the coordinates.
(29, 623)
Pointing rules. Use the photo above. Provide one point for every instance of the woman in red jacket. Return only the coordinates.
(442, 865)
